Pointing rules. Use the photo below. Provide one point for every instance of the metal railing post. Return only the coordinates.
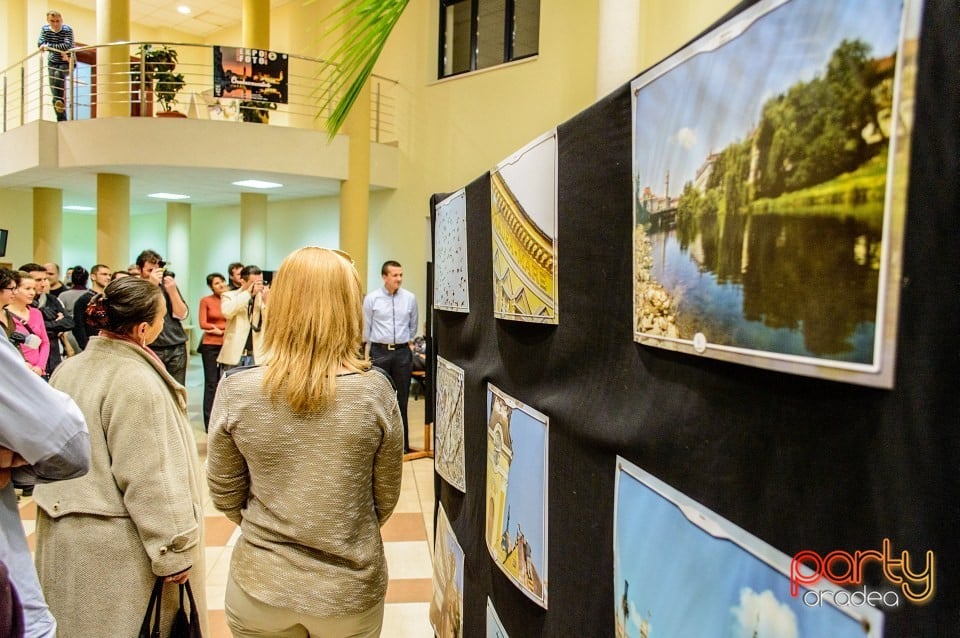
(142, 90)
(4, 102)
(377, 136)
(73, 86)
(23, 94)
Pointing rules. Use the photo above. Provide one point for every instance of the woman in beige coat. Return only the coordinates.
(305, 454)
(103, 539)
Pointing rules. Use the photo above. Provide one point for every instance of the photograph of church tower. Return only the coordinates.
(516, 520)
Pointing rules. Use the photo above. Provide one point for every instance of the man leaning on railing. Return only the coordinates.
(56, 38)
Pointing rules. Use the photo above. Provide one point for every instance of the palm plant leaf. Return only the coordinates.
(363, 27)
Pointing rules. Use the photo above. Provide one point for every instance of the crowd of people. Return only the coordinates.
(294, 406)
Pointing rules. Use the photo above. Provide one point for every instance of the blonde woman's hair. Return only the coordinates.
(314, 327)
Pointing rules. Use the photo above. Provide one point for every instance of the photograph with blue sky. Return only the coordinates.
(715, 97)
(681, 580)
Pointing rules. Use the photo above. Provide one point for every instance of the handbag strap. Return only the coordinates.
(194, 614)
(153, 607)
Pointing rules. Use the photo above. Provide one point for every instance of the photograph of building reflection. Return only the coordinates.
(769, 210)
(679, 569)
(523, 199)
(516, 516)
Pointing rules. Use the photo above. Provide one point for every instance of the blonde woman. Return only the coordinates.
(318, 432)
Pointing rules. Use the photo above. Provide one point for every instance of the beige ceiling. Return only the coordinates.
(205, 17)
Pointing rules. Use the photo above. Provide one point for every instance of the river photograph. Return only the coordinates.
(761, 159)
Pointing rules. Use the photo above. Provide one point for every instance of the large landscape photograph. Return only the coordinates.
(769, 178)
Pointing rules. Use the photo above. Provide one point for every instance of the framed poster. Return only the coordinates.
(770, 164)
(494, 626)
(250, 74)
(523, 201)
(679, 569)
(446, 605)
(449, 457)
(450, 284)
(516, 517)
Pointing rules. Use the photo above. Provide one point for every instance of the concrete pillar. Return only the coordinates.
(256, 24)
(253, 229)
(113, 63)
(47, 225)
(355, 190)
(113, 220)
(178, 244)
(17, 33)
(618, 44)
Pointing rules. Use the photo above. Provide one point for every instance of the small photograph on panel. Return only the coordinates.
(446, 606)
(449, 424)
(450, 285)
(679, 569)
(494, 626)
(516, 521)
(769, 211)
(523, 199)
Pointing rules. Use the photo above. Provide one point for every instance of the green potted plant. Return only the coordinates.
(256, 110)
(159, 66)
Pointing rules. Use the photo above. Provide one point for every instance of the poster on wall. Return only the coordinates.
(679, 569)
(446, 605)
(516, 517)
(449, 456)
(769, 211)
(494, 626)
(250, 74)
(523, 201)
(450, 283)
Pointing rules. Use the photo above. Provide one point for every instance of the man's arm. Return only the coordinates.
(414, 317)
(67, 43)
(44, 426)
(178, 308)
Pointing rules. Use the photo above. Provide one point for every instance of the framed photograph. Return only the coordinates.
(679, 569)
(494, 626)
(446, 606)
(523, 201)
(450, 284)
(770, 165)
(449, 459)
(516, 521)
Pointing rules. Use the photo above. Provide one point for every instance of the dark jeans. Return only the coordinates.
(398, 364)
(58, 76)
(174, 359)
(211, 377)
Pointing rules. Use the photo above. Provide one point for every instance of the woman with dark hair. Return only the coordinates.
(213, 323)
(305, 454)
(104, 538)
(28, 321)
(9, 282)
(79, 277)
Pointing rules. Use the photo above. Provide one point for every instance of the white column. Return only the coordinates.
(618, 44)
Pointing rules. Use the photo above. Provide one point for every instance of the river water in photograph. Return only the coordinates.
(797, 284)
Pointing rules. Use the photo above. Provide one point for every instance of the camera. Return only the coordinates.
(166, 273)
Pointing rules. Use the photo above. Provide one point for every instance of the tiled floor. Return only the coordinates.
(407, 536)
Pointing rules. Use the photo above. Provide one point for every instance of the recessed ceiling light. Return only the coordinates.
(168, 196)
(256, 183)
(184, 9)
(79, 208)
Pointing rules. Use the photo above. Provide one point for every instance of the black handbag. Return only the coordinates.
(184, 625)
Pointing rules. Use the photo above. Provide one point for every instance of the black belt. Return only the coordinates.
(389, 346)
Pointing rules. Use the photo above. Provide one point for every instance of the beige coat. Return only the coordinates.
(102, 538)
(234, 304)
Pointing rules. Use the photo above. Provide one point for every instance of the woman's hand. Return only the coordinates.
(180, 578)
(8, 460)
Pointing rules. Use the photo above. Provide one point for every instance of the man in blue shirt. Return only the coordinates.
(56, 38)
(389, 326)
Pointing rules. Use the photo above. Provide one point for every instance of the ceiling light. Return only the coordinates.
(256, 183)
(79, 208)
(168, 196)
(184, 9)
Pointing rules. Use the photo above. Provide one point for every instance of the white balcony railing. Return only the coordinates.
(26, 95)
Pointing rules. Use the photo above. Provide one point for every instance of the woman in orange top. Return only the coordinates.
(213, 323)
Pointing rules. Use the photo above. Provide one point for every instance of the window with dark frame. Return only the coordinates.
(478, 34)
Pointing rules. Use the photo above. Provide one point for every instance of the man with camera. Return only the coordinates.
(170, 346)
(244, 309)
